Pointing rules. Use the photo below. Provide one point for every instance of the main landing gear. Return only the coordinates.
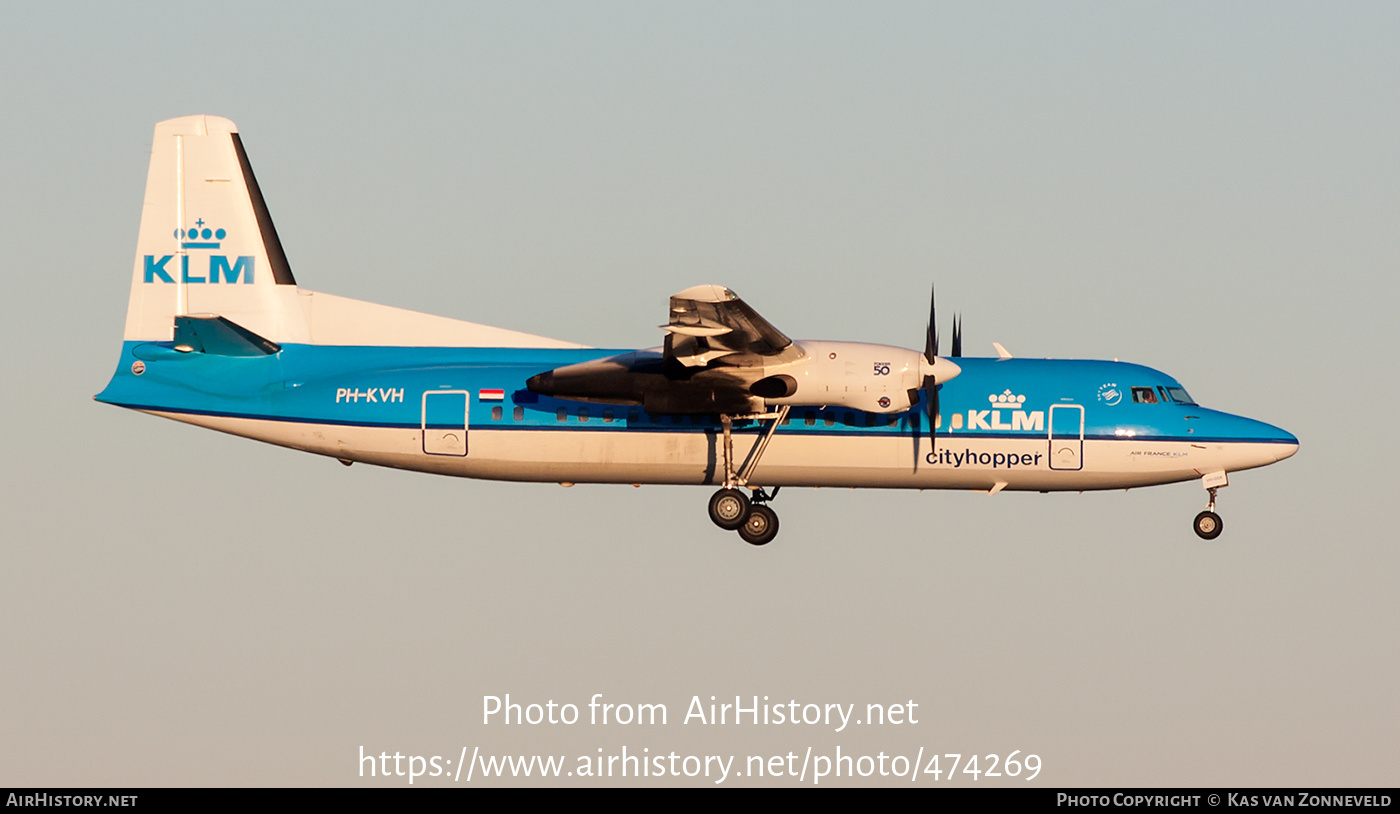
(1208, 524)
(730, 508)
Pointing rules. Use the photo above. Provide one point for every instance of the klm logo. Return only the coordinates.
(1021, 420)
(219, 268)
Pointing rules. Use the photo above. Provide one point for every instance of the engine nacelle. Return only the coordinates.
(873, 378)
(855, 375)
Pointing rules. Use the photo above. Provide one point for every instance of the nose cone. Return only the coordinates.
(1253, 443)
(1285, 442)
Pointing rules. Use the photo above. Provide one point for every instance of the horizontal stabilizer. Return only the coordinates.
(217, 336)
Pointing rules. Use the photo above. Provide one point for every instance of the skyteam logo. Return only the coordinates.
(218, 269)
(1006, 405)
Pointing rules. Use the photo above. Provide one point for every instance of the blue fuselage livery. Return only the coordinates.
(365, 387)
(214, 340)
(381, 388)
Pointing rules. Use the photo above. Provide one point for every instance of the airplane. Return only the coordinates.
(219, 334)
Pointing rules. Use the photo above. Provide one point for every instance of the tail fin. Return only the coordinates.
(207, 244)
(208, 248)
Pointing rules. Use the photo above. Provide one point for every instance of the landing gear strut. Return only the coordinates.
(1208, 524)
(730, 508)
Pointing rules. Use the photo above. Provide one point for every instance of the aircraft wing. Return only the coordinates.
(710, 323)
(718, 350)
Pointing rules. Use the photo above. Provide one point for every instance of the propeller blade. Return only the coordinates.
(931, 332)
(957, 335)
(930, 384)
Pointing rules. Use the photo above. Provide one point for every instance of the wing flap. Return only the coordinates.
(696, 330)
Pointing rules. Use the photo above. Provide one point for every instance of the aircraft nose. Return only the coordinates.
(1255, 443)
(1286, 441)
(1281, 443)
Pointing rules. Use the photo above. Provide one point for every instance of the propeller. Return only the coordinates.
(938, 369)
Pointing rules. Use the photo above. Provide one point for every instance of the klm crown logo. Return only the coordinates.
(1006, 400)
(199, 237)
(220, 268)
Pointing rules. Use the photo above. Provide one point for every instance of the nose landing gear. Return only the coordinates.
(1208, 524)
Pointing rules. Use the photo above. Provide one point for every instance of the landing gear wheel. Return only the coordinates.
(760, 526)
(728, 508)
(1208, 525)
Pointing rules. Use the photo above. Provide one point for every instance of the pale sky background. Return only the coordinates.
(1210, 189)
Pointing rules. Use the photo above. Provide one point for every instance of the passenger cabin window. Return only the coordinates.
(1144, 395)
(583, 415)
(810, 419)
(632, 416)
(829, 419)
(562, 415)
(518, 413)
(607, 415)
(496, 413)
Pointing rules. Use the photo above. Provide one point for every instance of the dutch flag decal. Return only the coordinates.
(491, 395)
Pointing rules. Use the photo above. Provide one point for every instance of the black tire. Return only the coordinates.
(729, 508)
(760, 527)
(1208, 525)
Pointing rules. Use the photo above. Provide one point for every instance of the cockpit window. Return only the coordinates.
(1180, 396)
(1144, 395)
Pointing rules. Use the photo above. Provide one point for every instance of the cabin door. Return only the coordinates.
(445, 422)
(1066, 436)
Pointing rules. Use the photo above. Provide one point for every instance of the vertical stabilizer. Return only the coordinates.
(207, 243)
